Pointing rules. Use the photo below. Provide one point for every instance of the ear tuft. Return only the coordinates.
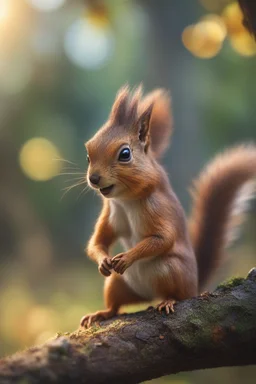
(161, 120)
(132, 113)
(125, 107)
(119, 109)
(144, 126)
(154, 124)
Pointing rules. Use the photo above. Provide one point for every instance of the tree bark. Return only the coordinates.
(213, 330)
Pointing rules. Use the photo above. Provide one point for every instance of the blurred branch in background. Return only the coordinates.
(249, 10)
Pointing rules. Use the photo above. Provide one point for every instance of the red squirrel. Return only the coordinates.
(165, 256)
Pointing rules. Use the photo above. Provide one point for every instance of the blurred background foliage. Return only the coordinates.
(61, 63)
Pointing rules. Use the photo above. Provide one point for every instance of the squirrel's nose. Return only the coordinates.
(95, 179)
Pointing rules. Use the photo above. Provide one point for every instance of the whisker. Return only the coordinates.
(76, 179)
(66, 169)
(65, 161)
(86, 189)
(70, 173)
(68, 189)
(74, 185)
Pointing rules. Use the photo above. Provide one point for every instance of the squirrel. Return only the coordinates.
(166, 257)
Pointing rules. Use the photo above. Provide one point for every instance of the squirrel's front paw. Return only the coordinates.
(105, 266)
(120, 263)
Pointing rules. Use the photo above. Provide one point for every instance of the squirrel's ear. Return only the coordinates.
(144, 125)
(119, 109)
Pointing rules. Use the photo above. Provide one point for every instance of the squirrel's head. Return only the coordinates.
(121, 162)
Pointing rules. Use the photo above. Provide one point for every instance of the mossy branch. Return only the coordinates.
(213, 330)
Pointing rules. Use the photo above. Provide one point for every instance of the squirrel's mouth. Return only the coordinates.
(106, 191)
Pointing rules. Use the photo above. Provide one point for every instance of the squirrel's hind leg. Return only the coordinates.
(178, 282)
(116, 294)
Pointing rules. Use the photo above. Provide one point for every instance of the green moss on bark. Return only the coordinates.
(231, 283)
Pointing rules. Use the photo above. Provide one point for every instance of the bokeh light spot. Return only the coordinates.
(98, 15)
(218, 24)
(233, 18)
(205, 38)
(38, 159)
(89, 45)
(240, 39)
(4, 9)
(244, 44)
(46, 5)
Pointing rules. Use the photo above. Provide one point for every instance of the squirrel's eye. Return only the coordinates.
(125, 155)
(88, 158)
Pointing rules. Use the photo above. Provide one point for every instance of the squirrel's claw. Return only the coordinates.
(167, 306)
(105, 267)
(91, 318)
(120, 263)
(86, 321)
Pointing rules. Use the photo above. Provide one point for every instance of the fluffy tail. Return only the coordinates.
(220, 197)
(161, 120)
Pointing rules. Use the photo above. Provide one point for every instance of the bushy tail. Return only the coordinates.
(161, 120)
(220, 197)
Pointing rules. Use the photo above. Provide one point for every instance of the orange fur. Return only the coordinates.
(214, 197)
(161, 257)
(161, 120)
(117, 293)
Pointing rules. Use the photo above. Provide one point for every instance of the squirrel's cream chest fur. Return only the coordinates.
(127, 219)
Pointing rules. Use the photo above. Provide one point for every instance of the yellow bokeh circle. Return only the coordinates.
(244, 44)
(233, 18)
(205, 38)
(216, 25)
(38, 159)
(240, 39)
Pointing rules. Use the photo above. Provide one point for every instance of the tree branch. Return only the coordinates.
(213, 330)
(248, 8)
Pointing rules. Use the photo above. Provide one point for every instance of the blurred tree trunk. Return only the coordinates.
(171, 66)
